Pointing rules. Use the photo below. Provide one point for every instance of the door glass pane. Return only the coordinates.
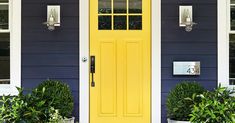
(4, 58)
(135, 22)
(4, 17)
(120, 22)
(120, 6)
(135, 6)
(105, 23)
(105, 6)
(232, 1)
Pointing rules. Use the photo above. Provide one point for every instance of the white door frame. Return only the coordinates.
(84, 66)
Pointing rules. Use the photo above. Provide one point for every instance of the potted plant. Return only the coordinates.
(59, 96)
(178, 106)
(217, 106)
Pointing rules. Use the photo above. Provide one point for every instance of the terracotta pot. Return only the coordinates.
(175, 121)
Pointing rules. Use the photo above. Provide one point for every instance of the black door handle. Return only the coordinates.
(92, 70)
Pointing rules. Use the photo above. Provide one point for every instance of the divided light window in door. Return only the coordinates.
(120, 15)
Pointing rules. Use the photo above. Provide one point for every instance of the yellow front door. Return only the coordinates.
(120, 49)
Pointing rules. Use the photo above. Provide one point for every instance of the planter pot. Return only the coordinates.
(175, 121)
(69, 120)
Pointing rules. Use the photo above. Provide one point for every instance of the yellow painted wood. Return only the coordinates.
(122, 79)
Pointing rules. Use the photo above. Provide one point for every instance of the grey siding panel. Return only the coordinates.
(50, 55)
(51, 47)
(32, 83)
(52, 60)
(203, 23)
(198, 45)
(38, 9)
(180, 35)
(207, 61)
(200, 9)
(189, 48)
(35, 23)
(50, 72)
(42, 35)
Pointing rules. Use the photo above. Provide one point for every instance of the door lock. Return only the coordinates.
(92, 70)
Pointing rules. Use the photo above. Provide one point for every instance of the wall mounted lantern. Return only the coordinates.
(53, 17)
(186, 17)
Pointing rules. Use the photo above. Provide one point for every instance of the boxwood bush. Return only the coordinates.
(58, 95)
(178, 107)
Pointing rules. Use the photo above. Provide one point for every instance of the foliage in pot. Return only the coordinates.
(58, 94)
(178, 107)
(27, 108)
(55, 117)
(217, 106)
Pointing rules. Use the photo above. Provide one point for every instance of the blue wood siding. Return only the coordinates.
(48, 54)
(198, 45)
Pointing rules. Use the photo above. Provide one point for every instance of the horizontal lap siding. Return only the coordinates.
(198, 45)
(50, 55)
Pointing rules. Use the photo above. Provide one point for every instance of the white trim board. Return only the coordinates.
(223, 42)
(16, 45)
(223, 76)
(84, 66)
(15, 49)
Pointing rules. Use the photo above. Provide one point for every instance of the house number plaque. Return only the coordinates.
(186, 68)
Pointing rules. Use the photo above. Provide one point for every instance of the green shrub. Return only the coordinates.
(178, 107)
(217, 106)
(11, 109)
(46, 103)
(26, 108)
(58, 95)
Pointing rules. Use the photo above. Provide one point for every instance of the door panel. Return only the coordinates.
(120, 41)
(133, 79)
(107, 87)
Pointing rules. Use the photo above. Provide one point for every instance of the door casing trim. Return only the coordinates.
(155, 59)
